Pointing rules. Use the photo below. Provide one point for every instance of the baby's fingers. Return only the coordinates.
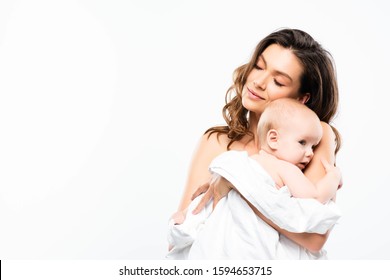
(326, 165)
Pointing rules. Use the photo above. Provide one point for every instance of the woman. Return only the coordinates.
(287, 63)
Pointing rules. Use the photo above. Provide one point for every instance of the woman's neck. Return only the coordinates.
(253, 122)
(251, 144)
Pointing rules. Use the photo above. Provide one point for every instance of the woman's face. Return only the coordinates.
(276, 74)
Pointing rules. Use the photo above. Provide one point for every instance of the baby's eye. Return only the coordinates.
(302, 142)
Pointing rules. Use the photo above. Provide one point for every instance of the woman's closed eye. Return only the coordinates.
(258, 67)
(278, 83)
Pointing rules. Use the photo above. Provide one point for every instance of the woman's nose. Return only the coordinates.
(260, 81)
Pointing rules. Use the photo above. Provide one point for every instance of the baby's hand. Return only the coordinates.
(334, 170)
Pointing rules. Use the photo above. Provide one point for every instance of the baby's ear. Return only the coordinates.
(272, 139)
(304, 98)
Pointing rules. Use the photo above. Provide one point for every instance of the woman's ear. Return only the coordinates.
(272, 139)
(304, 98)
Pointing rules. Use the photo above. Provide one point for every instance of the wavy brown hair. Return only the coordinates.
(318, 79)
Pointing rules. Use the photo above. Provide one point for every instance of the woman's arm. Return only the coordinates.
(220, 187)
(311, 241)
(209, 147)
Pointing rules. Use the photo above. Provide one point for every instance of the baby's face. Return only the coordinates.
(297, 139)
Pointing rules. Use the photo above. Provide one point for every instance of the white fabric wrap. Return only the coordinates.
(233, 231)
(254, 183)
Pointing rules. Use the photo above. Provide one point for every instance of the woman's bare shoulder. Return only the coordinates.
(327, 132)
(328, 140)
(213, 143)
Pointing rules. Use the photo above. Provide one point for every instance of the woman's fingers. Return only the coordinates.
(203, 188)
(208, 195)
(217, 188)
(178, 217)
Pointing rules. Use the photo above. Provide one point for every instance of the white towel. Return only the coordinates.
(233, 231)
(255, 184)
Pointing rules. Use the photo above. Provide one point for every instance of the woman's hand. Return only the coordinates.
(217, 188)
(179, 217)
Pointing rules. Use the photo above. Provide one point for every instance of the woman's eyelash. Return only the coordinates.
(278, 84)
(275, 81)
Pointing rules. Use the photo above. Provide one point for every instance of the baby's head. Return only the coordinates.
(289, 130)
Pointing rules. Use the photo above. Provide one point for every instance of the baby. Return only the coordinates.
(288, 132)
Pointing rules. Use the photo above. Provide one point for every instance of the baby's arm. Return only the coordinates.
(301, 187)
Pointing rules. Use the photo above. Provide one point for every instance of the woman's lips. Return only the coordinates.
(254, 95)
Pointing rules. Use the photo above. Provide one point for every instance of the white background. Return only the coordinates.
(102, 104)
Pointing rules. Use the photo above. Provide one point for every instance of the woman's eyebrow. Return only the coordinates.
(276, 71)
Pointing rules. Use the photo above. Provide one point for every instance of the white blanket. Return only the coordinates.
(233, 231)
